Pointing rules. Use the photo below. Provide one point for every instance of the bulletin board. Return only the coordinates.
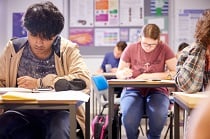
(97, 25)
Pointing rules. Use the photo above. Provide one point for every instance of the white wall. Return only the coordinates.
(3, 23)
(7, 7)
(93, 62)
(175, 6)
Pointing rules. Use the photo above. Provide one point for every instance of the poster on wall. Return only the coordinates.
(82, 36)
(131, 12)
(106, 12)
(187, 19)
(17, 29)
(134, 34)
(159, 21)
(106, 36)
(124, 34)
(81, 13)
(158, 7)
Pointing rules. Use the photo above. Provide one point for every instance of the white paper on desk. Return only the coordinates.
(125, 80)
(62, 95)
(168, 81)
(146, 80)
(195, 95)
(14, 89)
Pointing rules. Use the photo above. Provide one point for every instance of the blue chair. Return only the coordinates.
(100, 90)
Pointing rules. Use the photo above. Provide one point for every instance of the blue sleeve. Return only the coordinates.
(105, 60)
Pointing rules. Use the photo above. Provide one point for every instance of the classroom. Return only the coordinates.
(96, 26)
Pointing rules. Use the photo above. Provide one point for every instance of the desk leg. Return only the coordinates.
(73, 125)
(87, 120)
(176, 121)
(111, 111)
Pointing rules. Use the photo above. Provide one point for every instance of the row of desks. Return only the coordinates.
(182, 100)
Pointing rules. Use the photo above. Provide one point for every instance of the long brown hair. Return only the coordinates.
(202, 30)
(151, 31)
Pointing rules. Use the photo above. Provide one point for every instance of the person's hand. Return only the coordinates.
(143, 76)
(99, 71)
(127, 73)
(27, 82)
(113, 70)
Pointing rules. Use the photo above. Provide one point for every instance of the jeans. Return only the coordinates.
(134, 105)
(50, 125)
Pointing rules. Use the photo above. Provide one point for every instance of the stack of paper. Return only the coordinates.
(50, 95)
(18, 96)
(14, 89)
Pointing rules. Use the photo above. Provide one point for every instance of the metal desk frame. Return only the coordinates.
(45, 104)
(129, 83)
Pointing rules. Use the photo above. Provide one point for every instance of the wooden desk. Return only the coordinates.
(51, 104)
(130, 83)
(187, 102)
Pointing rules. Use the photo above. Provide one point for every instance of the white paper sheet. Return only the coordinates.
(62, 95)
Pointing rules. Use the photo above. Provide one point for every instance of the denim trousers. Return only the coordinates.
(133, 105)
(52, 124)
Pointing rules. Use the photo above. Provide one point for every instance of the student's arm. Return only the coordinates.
(100, 70)
(190, 69)
(123, 71)
(171, 64)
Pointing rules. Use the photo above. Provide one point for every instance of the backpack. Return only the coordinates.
(100, 123)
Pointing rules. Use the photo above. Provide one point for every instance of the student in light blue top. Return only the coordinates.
(111, 59)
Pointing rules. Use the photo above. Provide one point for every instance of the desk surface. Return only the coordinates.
(50, 100)
(141, 83)
(113, 83)
(190, 100)
(187, 102)
(63, 97)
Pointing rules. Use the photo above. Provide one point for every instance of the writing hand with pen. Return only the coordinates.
(126, 73)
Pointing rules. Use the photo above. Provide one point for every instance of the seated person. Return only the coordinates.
(39, 61)
(146, 59)
(111, 62)
(112, 59)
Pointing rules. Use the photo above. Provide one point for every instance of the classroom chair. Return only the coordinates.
(100, 91)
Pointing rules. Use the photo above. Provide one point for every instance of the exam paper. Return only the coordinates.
(62, 95)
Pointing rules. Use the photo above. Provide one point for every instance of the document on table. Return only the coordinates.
(146, 80)
(125, 80)
(194, 95)
(14, 89)
(50, 95)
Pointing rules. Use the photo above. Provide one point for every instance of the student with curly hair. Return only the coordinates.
(193, 67)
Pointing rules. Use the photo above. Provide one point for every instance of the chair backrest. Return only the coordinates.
(100, 86)
(100, 82)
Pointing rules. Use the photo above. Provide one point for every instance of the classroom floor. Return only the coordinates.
(141, 136)
(144, 137)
